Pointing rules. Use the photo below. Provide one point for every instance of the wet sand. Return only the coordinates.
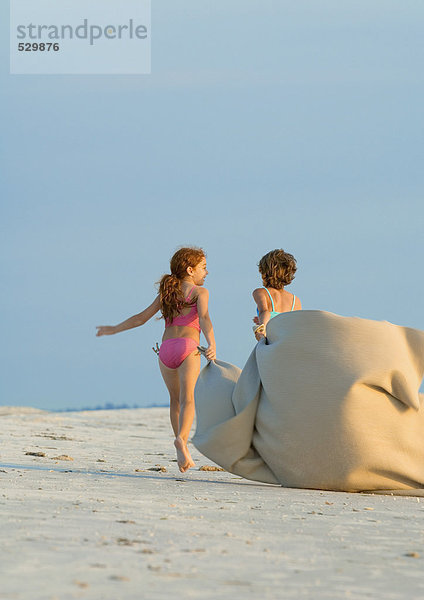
(93, 506)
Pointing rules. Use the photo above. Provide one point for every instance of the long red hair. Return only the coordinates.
(171, 297)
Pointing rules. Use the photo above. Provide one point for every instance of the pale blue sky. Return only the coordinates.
(263, 124)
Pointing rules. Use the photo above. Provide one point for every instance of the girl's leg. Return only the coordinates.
(172, 382)
(188, 373)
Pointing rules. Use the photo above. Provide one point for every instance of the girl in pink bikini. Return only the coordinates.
(183, 303)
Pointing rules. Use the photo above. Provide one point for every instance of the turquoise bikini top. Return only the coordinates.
(274, 313)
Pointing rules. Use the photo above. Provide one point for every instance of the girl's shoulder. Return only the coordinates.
(297, 303)
(200, 293)
(190, 292)
(195, 292)
(259, 292)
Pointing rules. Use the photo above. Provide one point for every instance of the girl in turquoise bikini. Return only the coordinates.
(277, 269)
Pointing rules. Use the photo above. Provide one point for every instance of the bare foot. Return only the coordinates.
(183, 455)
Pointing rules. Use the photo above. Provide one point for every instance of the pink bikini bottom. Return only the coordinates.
(173, 351)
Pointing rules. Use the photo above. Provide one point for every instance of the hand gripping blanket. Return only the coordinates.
(329, 403)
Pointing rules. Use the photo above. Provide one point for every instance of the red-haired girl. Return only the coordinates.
(183, 302)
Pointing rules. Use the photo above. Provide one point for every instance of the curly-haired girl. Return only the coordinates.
(277, 269)
(183, 302)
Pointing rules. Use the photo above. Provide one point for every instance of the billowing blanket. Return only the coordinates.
(329, 402)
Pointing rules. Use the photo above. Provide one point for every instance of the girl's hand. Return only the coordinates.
(211, 352)
(259, 331)
(105, 330)
(256, 320)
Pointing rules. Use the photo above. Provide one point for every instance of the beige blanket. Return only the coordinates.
(329, 403)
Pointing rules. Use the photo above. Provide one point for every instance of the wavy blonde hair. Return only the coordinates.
(277, 269)
(171, 297)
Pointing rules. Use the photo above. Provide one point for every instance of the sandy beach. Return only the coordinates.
(93, 506)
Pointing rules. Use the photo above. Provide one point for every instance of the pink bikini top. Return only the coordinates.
(189, 320)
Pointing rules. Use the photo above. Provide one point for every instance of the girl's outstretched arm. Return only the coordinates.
(264, 314)
(205, 322)
(132, 322)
